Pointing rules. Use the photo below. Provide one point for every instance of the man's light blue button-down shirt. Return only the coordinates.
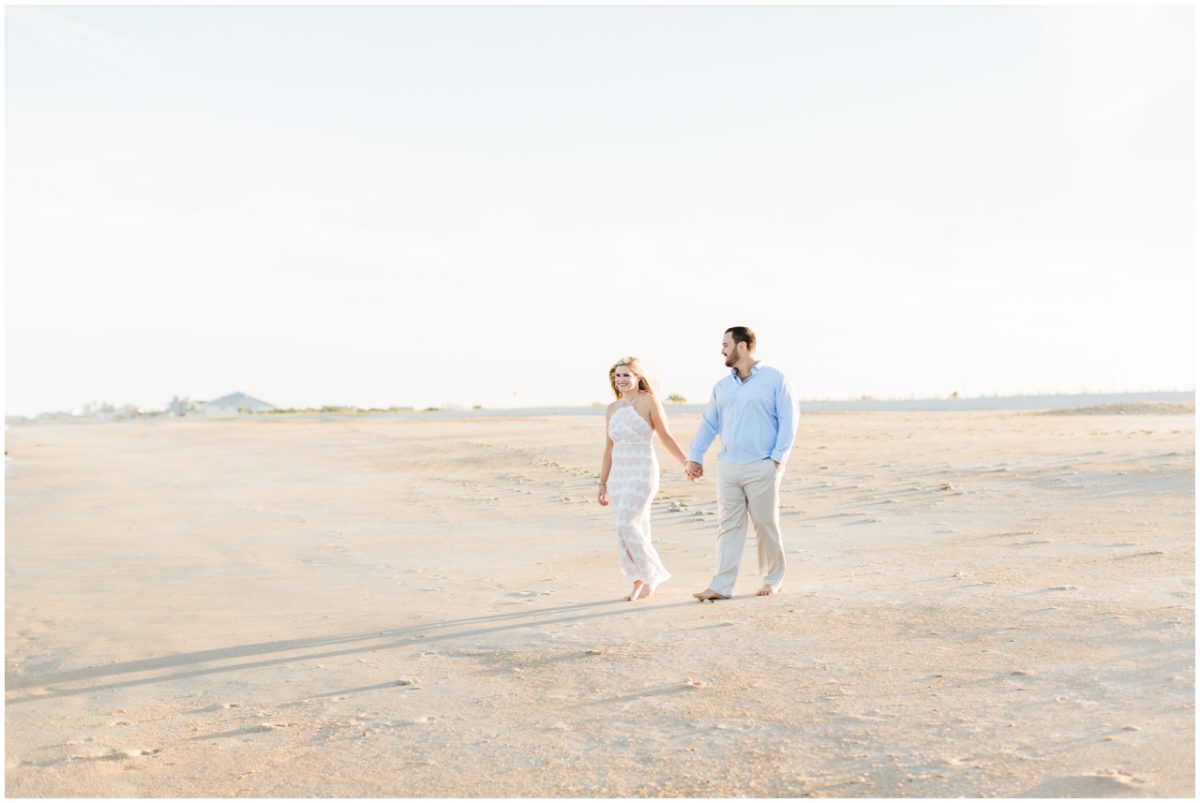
(755, 417)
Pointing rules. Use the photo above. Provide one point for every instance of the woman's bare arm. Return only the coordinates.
(606, 463)
(658, 420)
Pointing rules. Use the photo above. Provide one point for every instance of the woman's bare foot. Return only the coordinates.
(647, 592)
(633, 595)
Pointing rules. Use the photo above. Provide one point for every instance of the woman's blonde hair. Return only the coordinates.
(636, 368)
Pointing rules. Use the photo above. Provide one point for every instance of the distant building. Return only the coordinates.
(126, 411)
(179, 407)
(233, 404)
(103, 411)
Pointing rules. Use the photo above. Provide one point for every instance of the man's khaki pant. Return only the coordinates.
(754, 488)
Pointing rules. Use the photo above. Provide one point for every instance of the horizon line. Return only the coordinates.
(448, 406)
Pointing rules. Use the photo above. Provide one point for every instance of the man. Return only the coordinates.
(754, 412)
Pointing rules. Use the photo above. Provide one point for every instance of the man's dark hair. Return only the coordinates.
(742, 334)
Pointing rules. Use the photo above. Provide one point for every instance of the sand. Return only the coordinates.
(979, 604)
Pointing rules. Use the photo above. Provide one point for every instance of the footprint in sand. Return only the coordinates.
(958, 761)
(1104, 783)
(118, 754)
(136, 752)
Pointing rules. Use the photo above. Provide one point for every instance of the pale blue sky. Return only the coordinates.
(488, 205)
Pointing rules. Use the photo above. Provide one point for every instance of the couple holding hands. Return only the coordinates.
(755, 414)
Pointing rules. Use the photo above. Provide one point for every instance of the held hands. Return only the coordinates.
(693, 471)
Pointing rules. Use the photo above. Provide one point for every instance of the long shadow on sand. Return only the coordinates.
(321, 647)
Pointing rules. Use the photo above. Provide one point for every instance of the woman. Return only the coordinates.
(629, 473)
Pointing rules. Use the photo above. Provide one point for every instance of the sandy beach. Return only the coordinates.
(977, 604)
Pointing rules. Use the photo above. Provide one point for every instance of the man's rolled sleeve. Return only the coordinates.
(785, 408)
(710, 425)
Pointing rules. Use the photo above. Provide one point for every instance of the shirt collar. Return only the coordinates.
(754, 370)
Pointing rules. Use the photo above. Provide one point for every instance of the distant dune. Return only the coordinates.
(1131, 408)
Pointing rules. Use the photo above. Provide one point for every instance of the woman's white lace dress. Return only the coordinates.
(632, 486)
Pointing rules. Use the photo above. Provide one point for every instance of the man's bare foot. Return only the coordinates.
(768, 591)
(708, 595)
(633, 595)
